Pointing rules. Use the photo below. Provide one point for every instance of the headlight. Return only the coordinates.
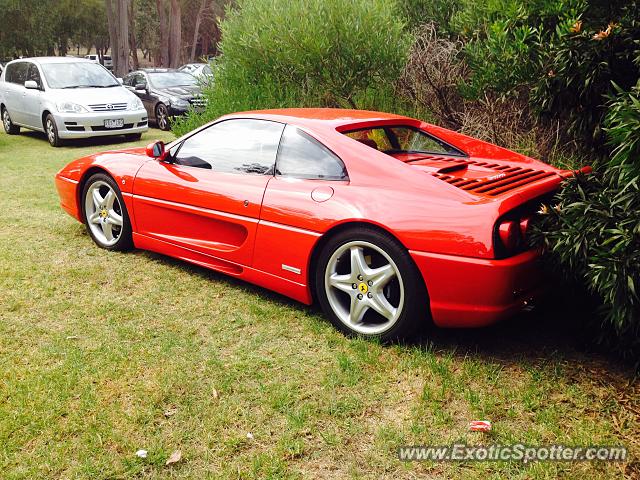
(178, 102)
(135, 104)
(70, 107)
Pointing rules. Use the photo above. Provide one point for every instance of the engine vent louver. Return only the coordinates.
(506, 178)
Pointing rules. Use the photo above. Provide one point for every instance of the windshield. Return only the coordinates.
(402, 139)
(171, 79)
(78, 75)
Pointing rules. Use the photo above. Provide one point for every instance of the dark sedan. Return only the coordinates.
(165, 93)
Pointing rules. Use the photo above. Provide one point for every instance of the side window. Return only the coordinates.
(128, 80)
(34, 75)
(301, 156)
(17, 72)
(139, 79)
(233, 146)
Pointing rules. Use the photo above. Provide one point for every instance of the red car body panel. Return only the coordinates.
(265, 229)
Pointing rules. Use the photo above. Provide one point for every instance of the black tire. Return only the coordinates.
(124, 239)
(162, 117)
(414, 310)
(51, 131)
(9, 126)
(133, 137)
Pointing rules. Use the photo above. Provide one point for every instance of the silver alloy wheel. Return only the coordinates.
(103, 213)
(51, 132)
(6, 120)
(354, 286)
(163, 117)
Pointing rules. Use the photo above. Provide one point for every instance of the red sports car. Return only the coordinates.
(384, 220)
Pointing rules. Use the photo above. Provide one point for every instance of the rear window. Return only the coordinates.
(402, 139)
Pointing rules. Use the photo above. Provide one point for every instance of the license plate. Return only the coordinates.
(118, 123)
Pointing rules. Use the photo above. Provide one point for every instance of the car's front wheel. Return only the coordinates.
(162, 116)
(368, 285)
(9, 127)
(51, 129)
(105, 213)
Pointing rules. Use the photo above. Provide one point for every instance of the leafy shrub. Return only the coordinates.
(431, 81)
(436, 12)
(585, 61)
(305, 53)
(559, 56)
(594, 233)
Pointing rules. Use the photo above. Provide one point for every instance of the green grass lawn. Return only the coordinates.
(103, 354)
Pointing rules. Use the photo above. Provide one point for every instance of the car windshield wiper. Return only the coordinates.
(77, 86)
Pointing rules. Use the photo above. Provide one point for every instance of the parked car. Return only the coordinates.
(106, 60)
(165, 93)
(202, 71)
(385, 220)
(68, 98)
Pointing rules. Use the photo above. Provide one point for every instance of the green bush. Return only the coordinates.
(593, 231)
(561, 55)
(286, 53)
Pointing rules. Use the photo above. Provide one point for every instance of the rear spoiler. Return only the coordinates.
(572, 173)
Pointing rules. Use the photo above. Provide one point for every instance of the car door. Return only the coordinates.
(307, 176)
(13, 88)
(208, 194)
(148, 100)
(32, 99)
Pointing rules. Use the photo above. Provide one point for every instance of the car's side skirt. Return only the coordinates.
(296, 290)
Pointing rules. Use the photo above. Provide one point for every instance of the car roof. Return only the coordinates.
(157, 70)
(41, 60)
(330, 117)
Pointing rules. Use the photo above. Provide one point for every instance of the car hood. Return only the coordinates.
(180, 92)
(92, 96)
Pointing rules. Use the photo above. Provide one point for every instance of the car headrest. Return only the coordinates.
(368, 142)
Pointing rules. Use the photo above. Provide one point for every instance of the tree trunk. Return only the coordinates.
(111, 21)
(196, 29)
(118, 18)
(175, 35)
(133, 45)
(164, 34)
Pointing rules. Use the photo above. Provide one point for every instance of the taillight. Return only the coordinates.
(509, 232)
(524, 228)
(512, 236)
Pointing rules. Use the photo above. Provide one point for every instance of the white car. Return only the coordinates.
(68, 98)
(202, 71)
(106, 60)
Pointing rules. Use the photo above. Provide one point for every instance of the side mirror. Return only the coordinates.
(141, 87)
(156, 150)
(31, 85)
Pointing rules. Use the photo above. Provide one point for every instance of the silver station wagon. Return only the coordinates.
(68, 98)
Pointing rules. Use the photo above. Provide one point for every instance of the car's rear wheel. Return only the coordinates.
(368, 285)
(162, 116)
(9, 127)
(51, 129)
(105, 213)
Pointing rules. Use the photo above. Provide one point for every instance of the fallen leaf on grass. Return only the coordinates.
(174, 457)
(170, 412)
(250, 436)
(215, 393)
(73, 337)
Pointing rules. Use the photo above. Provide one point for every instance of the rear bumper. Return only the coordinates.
(473, 292)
